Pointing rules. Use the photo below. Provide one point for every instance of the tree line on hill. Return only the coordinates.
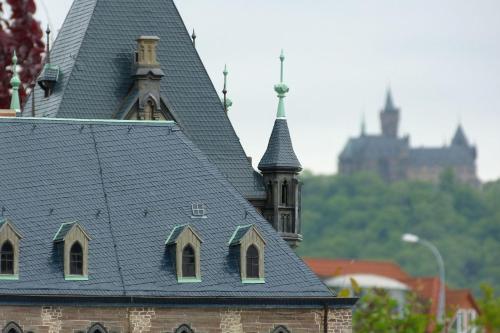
(362, 217)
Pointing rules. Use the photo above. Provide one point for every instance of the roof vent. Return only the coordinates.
(199, 210)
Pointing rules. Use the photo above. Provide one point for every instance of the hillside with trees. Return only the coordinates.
(363, 217)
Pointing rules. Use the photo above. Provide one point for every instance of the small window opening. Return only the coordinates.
(12, 327)
(184, 329)
(252, 262)
(270, 191)
(7, 259)
(76, 260)
(188, 262)
(199, 210)
(284, 193)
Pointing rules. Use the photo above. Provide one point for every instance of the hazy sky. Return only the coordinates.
(441, 58)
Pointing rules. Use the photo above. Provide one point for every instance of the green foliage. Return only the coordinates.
(490, 310)
(363, 217)
(378, 313)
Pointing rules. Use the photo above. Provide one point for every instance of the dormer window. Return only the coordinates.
(186, 245)
(251, 252)
(252, 262)
(7, 259)
(75, 242)
(76, 259)
(188, 262)
(9, 250)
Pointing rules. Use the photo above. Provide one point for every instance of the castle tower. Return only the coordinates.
(280, 168)
(389, 117)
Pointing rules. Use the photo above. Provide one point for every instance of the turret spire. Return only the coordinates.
(389, 104)
(15, 103)
(193, 36)
(226, 102)
(281, 88)
(47, 56)
(363, 125)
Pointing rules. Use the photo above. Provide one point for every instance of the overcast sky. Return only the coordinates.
(441, 59)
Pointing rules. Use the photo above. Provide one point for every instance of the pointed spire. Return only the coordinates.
(459, 139)
(15, 82)
(363, 125)
(389, 104)
(281, 88)
(47, 56)
(193, 37)
(226, 102)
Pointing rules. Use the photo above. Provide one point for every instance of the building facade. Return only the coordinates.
(391, 156)
(128, 203)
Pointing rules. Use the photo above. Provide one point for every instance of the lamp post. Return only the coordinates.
(410, 238)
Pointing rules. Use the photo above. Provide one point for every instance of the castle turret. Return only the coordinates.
(389, 117)
(280, 168)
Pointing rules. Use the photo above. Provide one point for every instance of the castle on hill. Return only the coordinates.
(391, 157)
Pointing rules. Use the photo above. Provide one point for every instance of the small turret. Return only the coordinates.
(50, 73)
(280, 168)
(389, 117)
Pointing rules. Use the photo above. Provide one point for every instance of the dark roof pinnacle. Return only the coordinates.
(389, 104)
(459, 139)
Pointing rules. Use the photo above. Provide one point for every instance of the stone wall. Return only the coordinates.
(48, 319)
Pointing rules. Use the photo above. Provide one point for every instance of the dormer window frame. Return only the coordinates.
(182, 237)
(10, 235)
(247, 237)
(70, 234)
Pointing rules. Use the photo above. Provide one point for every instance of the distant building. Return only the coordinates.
(389, 276)
(391, 157)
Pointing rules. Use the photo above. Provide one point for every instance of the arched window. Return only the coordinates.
(188, 262)
(7, 258)
(252, 262)
(97, 328)
(284, 193)
(281, 329)
(76, 259)
(184, 329)
(270, 191)
(12, 328)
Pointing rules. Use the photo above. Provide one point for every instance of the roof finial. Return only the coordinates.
(227, 103)
(363, 125)
(281, 88)
(15, 104)
(193, 37)
(47, 56)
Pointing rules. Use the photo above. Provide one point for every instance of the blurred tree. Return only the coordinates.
(22, 33)
(376, 312)
(490, 310)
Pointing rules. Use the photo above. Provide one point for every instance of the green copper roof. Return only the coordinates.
(281, 88)
(15, 104)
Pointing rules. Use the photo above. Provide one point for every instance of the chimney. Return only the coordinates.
(146, 51)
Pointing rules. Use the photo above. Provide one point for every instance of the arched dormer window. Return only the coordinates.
(97, 328)
(184, 328)
(76, 259)
(284, 193)
(188, 262)
(251, 245)
(7, 258)
(10, 240)
(75, 241)
(252, 262)
(186, 244)
(281, 329)
(12, 328)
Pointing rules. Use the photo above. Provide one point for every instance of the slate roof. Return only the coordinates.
(63, 231)
(95, 50)
(374, 147)
(280, 153)
(128, 184)
(443, 157)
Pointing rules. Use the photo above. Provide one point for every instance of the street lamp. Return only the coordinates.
(410, 238)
